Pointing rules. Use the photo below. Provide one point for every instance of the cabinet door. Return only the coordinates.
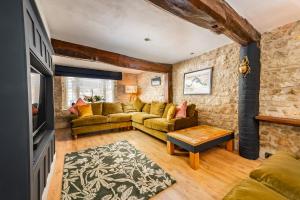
(30, 30)
(37, 185)
(39, 45)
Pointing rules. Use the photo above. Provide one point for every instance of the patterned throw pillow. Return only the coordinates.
(181, 110)
(74, 109)
(85, 110)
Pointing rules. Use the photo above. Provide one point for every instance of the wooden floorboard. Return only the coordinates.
(219, 169)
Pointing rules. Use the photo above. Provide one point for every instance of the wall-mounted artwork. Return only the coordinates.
(198, 82)
(156, 81)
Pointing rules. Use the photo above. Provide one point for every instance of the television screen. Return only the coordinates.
(37, 100)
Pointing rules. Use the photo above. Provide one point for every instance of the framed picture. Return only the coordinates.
(156, 81)
(197, 82)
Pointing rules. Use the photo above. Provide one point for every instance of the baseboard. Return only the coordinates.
(46, 189)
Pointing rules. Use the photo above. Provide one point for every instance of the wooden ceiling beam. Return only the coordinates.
(68, 49)
(215, 15)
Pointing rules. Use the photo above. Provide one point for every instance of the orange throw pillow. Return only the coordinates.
(74, 109)
(181, 110)
(85, 110)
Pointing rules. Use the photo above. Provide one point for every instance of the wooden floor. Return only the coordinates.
(219, 169)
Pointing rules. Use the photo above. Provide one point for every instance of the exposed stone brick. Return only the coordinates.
(280, 88)
(147, 92)
(220, 107)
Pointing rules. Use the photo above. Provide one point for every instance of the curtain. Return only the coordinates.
(75, 88)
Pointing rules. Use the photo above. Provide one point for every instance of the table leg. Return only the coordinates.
(194, 160)
(230, 145)
(170, 147)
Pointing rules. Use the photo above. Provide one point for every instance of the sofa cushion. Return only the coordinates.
(159, 124)
(119, 117)
(157, 108)
(181, 110)
(90, 120)
(280, 172)
(140, 117)
(171, 112)
(190, 111)
(138, 104)
(168, 106)
(73, 109)
(112, 108)
(97, 108)
(252, 190)
(146, 108)
(128, 107)
(85, 110)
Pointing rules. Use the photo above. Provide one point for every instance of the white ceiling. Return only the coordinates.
(121, 25)
(266, 15)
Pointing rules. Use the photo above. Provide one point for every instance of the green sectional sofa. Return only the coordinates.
(278, 178)
(150, 118)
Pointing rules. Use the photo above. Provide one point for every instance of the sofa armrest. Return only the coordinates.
(72, 117)
(181, 123)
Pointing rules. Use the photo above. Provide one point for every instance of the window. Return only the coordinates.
(85, 87)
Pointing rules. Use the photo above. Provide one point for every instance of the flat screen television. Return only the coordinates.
(38, 97)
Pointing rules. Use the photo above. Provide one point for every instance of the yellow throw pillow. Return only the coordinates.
(168, 106)
(171, 112)
(138, 104)
(85, 110)
(157, 108)
(146, 108)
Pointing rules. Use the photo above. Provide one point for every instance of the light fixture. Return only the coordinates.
(192, 53)
(147, 39)
(244, 67)
(132, 90)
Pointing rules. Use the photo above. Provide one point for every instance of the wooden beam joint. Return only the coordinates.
(68, 49)
(215, 15)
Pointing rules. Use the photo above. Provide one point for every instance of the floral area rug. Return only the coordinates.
(116, 171)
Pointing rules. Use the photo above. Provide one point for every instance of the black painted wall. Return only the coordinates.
(15, 143)
(86, 73)
(249, 104)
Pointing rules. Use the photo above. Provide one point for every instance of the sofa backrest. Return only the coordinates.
(97, 108)
(157, 108)
(111, 108)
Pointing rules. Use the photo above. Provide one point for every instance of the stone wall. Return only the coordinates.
(280, 88)
(62, 116)
(147, 92)
(220, 107)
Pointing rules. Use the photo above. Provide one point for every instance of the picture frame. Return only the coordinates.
(197, 82)
(156, 81)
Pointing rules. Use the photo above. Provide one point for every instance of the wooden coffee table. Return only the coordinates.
(197, 139)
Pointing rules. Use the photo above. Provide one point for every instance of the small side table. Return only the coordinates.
(197, 139)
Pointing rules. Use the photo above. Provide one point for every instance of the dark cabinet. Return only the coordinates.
(42, 160)
(39, 43)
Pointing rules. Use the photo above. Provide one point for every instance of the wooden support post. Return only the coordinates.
(249, 86)
(230, 145)
(170, 147)
(194, 160)
(168, 87)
